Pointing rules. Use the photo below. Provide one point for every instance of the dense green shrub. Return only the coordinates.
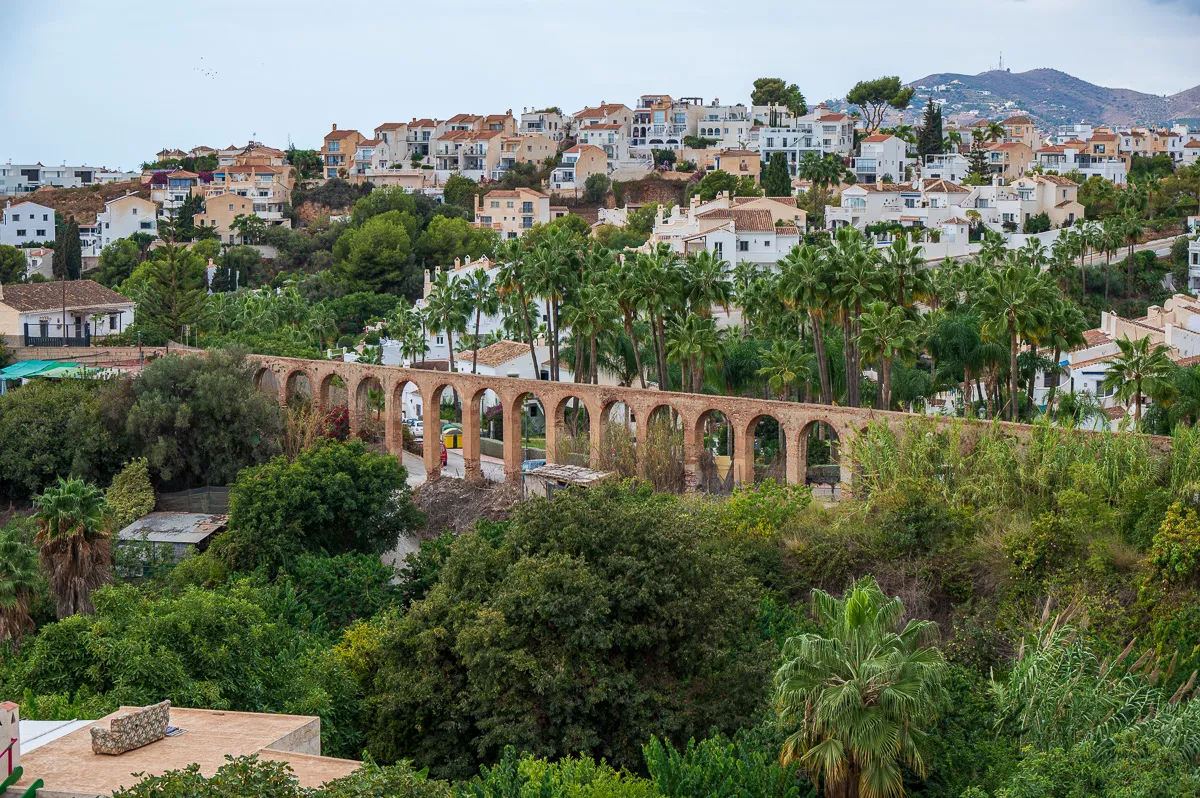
(336, 498)
(597, 621)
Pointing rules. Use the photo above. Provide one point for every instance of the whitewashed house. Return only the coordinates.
(26, 223)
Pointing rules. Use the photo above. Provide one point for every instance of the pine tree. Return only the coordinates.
(173, 296)
(776, 179)
(929, 140)
(978, 168)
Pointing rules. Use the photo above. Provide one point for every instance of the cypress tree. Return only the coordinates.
(776, 179)
(929, 140)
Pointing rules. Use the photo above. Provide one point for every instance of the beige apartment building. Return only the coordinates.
(337, 152)
(220, 209)
(1008, 159)
(511, 213)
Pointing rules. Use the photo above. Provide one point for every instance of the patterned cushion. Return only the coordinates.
(132, 730)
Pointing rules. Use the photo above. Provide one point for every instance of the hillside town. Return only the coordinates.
(667, 446)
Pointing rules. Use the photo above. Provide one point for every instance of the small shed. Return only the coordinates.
(548, 479)
(181, 533)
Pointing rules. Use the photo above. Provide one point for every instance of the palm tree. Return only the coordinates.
(887, 334)
(905, 266)
(1034, 254)
(19, 577)
(446, 309)
(1132, 228)
(705, 284)
(785, 365)
(858, 282)
(994, 131)
(1185, 409)
(1064, 333)
(1112, 236)
(804, 285)
(992, 249)
(1013, 304)
(592, 311)
(510, 284)
(689, 340)
(1138, 371)
(953, 137)
(322, 325)
(857, 695)
(74, 542)
(630, 299)
(659, 280)
(481, 292)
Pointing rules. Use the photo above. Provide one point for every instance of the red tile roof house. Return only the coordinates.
(32, 314)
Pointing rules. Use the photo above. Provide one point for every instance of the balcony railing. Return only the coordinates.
(80, 337)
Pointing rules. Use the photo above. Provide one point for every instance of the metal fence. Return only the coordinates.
(196, 500)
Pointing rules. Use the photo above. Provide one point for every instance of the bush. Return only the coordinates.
(596, 187)
(1037, 223)
(335, 498)
(131, 495)
(1040, 549)
(1175, 551)
(343, 589)
(598, 620)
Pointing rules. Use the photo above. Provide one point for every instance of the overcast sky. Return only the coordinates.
(110, 83)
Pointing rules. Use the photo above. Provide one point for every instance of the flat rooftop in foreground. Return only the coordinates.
(69, 768)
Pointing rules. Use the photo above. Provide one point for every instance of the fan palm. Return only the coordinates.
(446, 310)
(1137, 371)
(857, 695)
(804, 285)
(859, 281)
(1132, 228)
(591, 312)
(480, 292)
(785, 366)
(1111, 239)
(904, 264)
(19, 576)
(628, 295)
(888, 335)
(705, 284)
(74, 542)
(510, 285)
(1013, 303)
(994, 131)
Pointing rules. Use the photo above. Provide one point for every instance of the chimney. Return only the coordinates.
(10, 734)
(695, 201)
(335, 125)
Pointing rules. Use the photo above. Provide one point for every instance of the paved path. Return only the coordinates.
(493, 468)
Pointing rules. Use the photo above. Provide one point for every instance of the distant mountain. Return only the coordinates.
(1051, 97)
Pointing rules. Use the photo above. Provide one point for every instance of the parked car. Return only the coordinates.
(416, 425)
(444, 457)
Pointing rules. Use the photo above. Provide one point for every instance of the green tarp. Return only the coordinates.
(29, 368)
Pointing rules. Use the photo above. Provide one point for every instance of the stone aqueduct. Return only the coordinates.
(796, 419)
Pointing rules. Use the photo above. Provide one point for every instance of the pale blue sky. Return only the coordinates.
(112, 82)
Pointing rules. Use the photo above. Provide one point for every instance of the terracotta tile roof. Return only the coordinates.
(497, 117)
(883, 188)
(497, 354)
(1066, 202)
(339, 134)
(1116, 412)
(599, 112)
(1191, 145)
(605, 126)
(182, 173)
(1094, 337)
(1006, 145)
(1093, 361)
(1057, 180)
(981, 123)
(1056, 149)
(581, 148)
(832, 118)
(787, 230)
(49, 296)
(1076, 144)
(738, 153)
(369, 142)
(1187, 362)
(1104, 137)
(391, 126)
(956, 220)
(520, 192)
(877, 138)
(941, 186)
(462, 119)
(745, 220)
(422, 123)
(1017, 120)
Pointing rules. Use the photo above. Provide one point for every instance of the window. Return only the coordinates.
(114, 320)
(45, 217)
(526, 222)
(718, 249)
(526, 207)
(16, 217)
(335, 146)
(230, 208)
(485, 220)
(148, 225)
(41, 233)
(743, 246)
(134, 211)
(495, 203)
(22, 232)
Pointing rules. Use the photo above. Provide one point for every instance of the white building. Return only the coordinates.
(550, 122)
(37, 310)
(882, 158)
(1077, 132)
(821, 132)
(728, 124)
(1194, 266)
(121, 218)
(754, 229)
(951, 166)
(1072, 155)
(26, 223)
(23, 178)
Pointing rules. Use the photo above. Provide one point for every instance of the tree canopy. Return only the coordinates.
(875, 97)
